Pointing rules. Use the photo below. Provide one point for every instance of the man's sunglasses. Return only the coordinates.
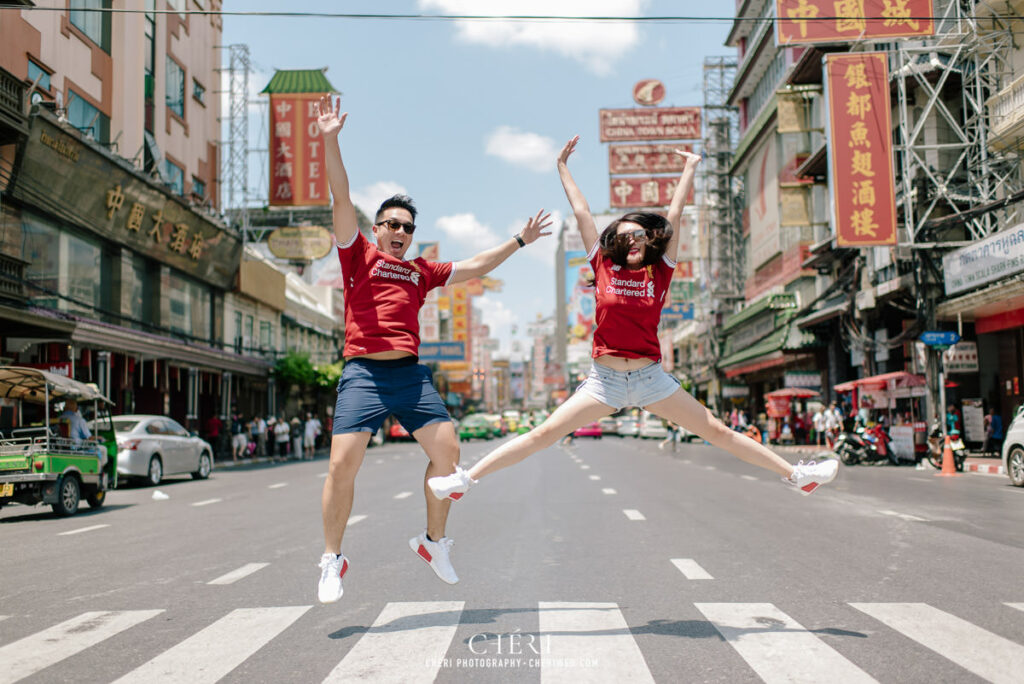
(396, 225)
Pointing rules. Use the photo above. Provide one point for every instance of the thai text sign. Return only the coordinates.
(663, 123)
(860, 149)
(300, 243)
(646, 158)
(297, 174)
(987, 260)
(644, 191)
(832, 21)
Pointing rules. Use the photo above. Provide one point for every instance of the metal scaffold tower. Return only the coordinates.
(235, 150)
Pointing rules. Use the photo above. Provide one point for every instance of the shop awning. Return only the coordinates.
(821, 315)
(883, 381)
(792, 393)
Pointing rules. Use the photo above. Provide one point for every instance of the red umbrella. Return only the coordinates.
(792, 393)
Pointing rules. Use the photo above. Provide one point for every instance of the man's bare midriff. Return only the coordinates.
(388, 355)
(622, 364)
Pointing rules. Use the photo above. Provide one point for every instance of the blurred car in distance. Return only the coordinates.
(512, 418)
(476, 426)
(588, 430)
(628, 427)
(651, 427)
(152, 447)
(609, 426)
(498, 422)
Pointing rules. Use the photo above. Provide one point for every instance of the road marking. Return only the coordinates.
(207, 502)
(213, 652)
(42, 649)
(584, 467)
(609, 490)
(710, 468)
(1018, 606)
(750, 477)
(403, 495)
(633, 514)
(595, 477)
(4, 617)
(690, 569)
(82, 529)
(322, 476)
(235, 575)
(378, 461)
(777, 647)
(277, 485)
(355, 518)
(406, 643)
(987, 655)
(588, 642)
(687, 461)
(903, 516)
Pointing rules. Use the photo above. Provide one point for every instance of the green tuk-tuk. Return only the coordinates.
(43, 461)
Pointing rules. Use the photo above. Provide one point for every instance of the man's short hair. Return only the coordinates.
(400, 201)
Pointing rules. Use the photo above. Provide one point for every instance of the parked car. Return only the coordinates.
(1013, 449)
(499, 424)
(651, 427)
(609, 426)
(628, 427)
(589, 430)
(152, 447)
(476, 426)
(512, 418)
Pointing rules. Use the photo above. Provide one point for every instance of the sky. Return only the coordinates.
(468, 117)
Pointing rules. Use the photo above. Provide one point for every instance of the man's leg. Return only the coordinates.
(442, 448)
(347, 451)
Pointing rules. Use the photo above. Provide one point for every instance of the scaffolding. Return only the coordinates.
(235, 150)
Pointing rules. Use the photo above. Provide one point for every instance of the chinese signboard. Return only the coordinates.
(297, 174)
(860, 149)
(644, 191)
(833, 21)
(987, 260)
(663, 123)
(86, 189)
(646, 158)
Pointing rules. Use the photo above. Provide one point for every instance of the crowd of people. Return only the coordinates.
(257, 436)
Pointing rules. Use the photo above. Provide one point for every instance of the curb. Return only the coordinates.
(984, 468)
(219, 465)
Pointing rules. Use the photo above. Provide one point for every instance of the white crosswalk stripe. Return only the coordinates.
(777, 647)
(211, 653)
(42, 649)
(406, 644)
(235, 575)
(690, 569)
(588, 642)
(987, 655)
(1018, 606)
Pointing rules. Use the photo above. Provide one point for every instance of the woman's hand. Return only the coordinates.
(328, 119)
(535, 227)
(570, 147)
(692, 159)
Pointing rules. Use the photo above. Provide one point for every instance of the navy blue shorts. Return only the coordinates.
(369, 391)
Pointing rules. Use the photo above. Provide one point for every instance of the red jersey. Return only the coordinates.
(628, 307)
(383, 297)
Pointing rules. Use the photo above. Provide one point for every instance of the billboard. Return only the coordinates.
(663, 123)
(860, 149)
(647, 159)
(300, 243)
(763, 204)
(298, 177)
(837, 21)
(580, 305)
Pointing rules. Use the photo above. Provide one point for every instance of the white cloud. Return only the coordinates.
(499, 319)
(467, 231)
(521, 148)
(595, 44)
(369, 198)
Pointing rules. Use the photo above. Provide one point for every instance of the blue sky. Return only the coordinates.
(467, 117)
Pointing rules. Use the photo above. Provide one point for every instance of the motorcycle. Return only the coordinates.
(867, 446)
(936, 447)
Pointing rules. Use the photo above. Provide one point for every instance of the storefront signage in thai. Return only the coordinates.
(663, 123)
(833, 21)
(860, 149)
(985, 261)
(297, 174)
(85, 188)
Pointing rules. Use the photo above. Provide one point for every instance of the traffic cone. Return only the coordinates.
(948, 464)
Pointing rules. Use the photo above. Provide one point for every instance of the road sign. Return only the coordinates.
(939, 338)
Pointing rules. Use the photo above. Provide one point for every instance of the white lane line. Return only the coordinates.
(903, 516)
(42, 649)
(403, 495)
(235, 575)
(777, 647)
(406, 644)
(1018, 606)
(633, 514)
(584, 467)
(207, 502)
(690, 569)
(90, 528)
(609, 490)
(4, 617)
(987, 655)
(213, 652)
(687, 461)
(277, 485)
(710, 468)
(356, 518)
(588, 642)
(322, 476)
(377, 462)
(750, 477)
(595, 477)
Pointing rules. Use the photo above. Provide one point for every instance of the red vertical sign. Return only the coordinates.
(860, 149)
(297, 175)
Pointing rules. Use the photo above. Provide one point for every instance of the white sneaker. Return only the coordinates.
(808, 477)
(451, 486)
(333, 568)
(436, 555)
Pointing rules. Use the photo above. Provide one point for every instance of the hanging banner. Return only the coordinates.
(837, 21)
(298, 177)
(860, 149)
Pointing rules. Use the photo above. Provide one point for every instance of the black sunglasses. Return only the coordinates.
(638, 235)
(396, 225)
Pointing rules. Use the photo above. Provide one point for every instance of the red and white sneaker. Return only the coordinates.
(808, 477)
(332, 570)
(452, 486)
(436, 555)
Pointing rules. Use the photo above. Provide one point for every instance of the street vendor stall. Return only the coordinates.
(779, 406)
(896, 397)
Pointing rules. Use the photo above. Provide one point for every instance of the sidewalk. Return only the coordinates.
(973, 464)
(228, 463)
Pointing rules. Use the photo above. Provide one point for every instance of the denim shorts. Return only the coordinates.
(369, 391)
(620, 389)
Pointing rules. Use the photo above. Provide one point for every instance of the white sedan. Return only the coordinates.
(151, 447)
(1013, 449)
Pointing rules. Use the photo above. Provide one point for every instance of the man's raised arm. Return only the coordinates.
(331, 123)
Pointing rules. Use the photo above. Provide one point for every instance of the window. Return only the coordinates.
(66, 266)
(238, 332)
(140, 292)
(86, 118)
(84, 15)
(149, 79)
(266, 335)
(198, 188)
(189, 306)
(175, 88)
(198, 92)
(175, 176)
(35, 71)
(248, 330)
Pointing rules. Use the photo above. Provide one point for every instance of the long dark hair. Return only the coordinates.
(616, 247)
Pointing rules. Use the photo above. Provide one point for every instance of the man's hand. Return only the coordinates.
(570, 147)
(535, 227)
(328, 118)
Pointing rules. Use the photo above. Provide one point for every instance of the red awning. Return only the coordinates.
(792, 393)
(898, 379)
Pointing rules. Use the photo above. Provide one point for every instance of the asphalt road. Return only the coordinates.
(607, 561)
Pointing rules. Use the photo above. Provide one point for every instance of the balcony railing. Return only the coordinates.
(1006, 114)
(12, 103)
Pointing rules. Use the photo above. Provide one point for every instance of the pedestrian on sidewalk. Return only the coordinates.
(295, 432)
(993, 433)
(383, 294)
(239, 436)
(281, 435)
(259, 431)
(818, 423)
(312, 431)
(633, 265)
